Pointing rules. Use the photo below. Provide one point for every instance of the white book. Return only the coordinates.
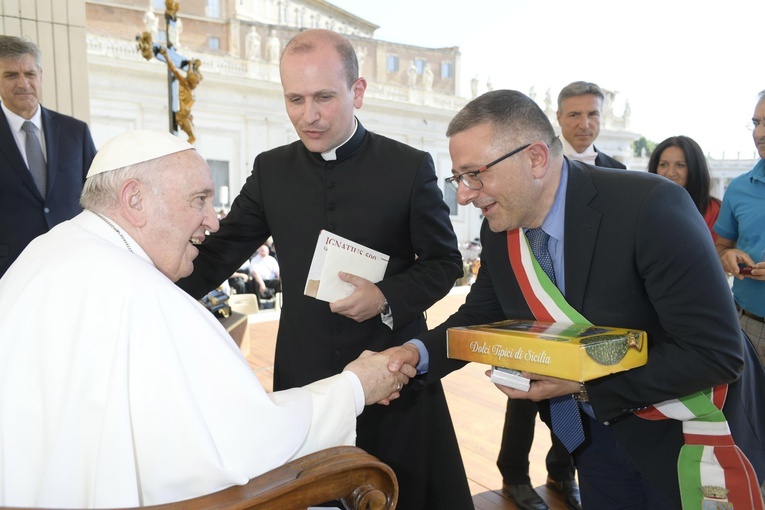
(334, 254)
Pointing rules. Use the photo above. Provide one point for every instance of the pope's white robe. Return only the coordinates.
(118, 389)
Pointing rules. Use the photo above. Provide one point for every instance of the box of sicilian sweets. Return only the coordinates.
(579, 352)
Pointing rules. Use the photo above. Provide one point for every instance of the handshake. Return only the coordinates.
(384, 374)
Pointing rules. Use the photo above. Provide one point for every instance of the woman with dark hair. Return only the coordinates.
(680, 159)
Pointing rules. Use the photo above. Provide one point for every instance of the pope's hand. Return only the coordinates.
(380, 384)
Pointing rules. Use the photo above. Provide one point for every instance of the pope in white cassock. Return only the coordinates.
(118, 389)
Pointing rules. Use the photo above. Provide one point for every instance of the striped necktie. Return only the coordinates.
(564, 411)
(35, 157)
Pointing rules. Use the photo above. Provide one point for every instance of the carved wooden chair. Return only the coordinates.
(343, 473)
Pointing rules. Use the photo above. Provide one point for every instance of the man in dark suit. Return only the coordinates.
(627, 249)
(44, 155)
(376, 192)
(580, 110)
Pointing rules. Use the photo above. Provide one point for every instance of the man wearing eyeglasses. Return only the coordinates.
(580, 110)
(624, 249)
(376, 192)
(740, 242)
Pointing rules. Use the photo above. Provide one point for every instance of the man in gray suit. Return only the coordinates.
(44, 155)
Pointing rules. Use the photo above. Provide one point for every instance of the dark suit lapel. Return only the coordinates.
(598, 157)
(10, 151)
(581, 230)
(50, 128)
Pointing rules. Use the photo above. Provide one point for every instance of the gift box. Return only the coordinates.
(578, 352)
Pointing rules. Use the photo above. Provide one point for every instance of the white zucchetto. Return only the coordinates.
(135, 146)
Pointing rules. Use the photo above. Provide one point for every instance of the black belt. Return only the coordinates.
(750, 314)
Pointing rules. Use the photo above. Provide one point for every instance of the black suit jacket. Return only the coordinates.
(637, 255)
(24, 214)
(382, 194)
(606, 161)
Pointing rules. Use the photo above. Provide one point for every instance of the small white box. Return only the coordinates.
(510, 377)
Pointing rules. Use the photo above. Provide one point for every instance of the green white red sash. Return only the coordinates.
(713, 472)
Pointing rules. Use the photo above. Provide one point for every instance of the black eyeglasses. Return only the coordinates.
(471, 179)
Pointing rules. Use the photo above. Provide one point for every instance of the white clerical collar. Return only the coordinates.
(331, 155)
(586, 156)
(15, 121)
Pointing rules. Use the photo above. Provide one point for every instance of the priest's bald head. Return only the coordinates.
(158, 189)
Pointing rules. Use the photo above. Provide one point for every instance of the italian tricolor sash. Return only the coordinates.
(713, 472)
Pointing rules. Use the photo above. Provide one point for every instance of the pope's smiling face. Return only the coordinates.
(180, 212)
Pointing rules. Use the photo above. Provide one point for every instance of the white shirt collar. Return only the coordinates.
(331, 154)
(586, 156)
(15, 121)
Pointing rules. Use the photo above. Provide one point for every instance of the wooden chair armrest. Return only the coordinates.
(342, 473)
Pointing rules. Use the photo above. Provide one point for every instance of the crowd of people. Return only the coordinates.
(258, 275)
(138, 397)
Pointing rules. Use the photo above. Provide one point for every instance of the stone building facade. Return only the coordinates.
(94, 71)
(239, 109)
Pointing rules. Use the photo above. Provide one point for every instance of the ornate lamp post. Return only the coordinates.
(183, 75)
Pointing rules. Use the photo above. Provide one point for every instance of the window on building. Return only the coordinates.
(447, 70)
(219, 170)
(159, 5)
(214, 43)
(213, 8)
(420, 64)
(392, 63)
(450, 197)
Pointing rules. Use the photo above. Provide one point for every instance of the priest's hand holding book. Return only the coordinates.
(366, 301)
(343, 273)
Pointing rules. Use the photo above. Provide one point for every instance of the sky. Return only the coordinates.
(689, 68)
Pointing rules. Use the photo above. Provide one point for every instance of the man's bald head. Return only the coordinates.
(309, 40)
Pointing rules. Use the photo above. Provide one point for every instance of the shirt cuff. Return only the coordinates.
(358, 390)
(387, 318)
(424, 364)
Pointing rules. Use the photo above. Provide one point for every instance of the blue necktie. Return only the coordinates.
(35, 157)
(564, 411)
